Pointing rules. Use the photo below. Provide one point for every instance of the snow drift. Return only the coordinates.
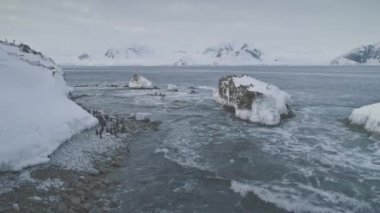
(367, 116)
(37, 116)
(252, 99)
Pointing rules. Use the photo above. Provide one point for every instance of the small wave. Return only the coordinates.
(312, 200)
(161, 150)
(206, 87)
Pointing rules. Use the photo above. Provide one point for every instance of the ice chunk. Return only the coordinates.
(368, 116)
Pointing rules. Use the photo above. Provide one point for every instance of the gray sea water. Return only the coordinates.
(203, 159)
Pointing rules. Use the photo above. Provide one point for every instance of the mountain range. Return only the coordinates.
(364, 55)
(223, 54)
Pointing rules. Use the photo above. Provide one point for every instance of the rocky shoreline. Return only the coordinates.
(53, 188)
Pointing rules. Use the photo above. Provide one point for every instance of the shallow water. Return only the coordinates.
(203, 159)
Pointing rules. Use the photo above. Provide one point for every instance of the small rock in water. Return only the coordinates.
(193, 91)
(139, 82)
(61, 207)
(172, 88)
(157, 92)
(16, 207)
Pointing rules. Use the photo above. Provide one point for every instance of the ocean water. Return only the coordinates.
(204, 159)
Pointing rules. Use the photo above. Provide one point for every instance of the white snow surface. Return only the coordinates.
(367, 116)
(266, 110)
(139, 82)
(37, 115)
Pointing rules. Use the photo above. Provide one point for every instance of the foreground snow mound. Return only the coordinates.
(252, 99)
(37, 115)
(368, 117)
(139, 82)
(367, 55)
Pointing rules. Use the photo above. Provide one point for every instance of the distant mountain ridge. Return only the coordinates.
(232, 53)
(229, 53)
(118, 53)
(364, 55)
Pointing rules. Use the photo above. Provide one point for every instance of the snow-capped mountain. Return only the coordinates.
(364, 55)
(37, 115)
(232, 53)
(132, 55)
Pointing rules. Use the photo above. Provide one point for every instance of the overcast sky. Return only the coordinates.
(322, 27)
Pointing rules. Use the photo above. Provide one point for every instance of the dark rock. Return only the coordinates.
(241, 96)
(75, 200)
(193, 92)
(253, 100)
(83, 56)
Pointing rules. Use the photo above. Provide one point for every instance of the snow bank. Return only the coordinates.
(252, 99)
(139, 82)
(368, 116)
(37, 115)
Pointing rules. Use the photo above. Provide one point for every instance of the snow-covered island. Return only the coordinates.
(364, 55)
(368, 117)
(37, 115)
(253, 100)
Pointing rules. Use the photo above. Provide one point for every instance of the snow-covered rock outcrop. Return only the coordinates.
(252, 99)
(139, 82)
(366, 55)
(368, 117)
(36, 113)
